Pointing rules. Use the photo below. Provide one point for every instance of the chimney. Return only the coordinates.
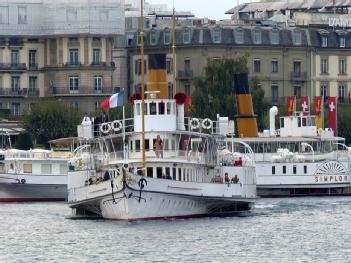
(157, 75)
(246, 122)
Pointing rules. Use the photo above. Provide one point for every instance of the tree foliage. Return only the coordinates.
(48, 120)
(24, 141)
(214, 90)
(344, 122)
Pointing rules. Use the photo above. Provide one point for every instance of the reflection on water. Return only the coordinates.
(279, 230)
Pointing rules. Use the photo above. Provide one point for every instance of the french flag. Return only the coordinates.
(116, 100)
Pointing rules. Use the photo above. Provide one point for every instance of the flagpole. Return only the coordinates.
(142, 88)
(124, 131)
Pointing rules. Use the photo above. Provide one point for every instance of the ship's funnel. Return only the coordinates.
(157, 75)
(245, 119)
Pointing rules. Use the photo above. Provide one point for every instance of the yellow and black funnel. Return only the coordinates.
(245, 119)
(157, 75)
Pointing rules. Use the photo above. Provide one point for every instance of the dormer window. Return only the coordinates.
(167, 37)
(217, 35)
(297, 39)
(239, 35)
(186, 36)
(324, 41)
(342, 41)
(275, 37)
(153, 39)
(257, 39)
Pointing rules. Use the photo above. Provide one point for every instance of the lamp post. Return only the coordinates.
(305, 144)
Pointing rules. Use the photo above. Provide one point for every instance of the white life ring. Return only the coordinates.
(194, 123)
(207, 124)
(116, 126)
(105, 128)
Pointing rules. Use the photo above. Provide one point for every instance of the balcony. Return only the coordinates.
(298, 76)
(24, 92)
(66, 91)
(185, 75)
(10, 67)
(33, 66)
(73, 64)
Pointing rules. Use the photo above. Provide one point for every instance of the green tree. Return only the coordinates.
(24, 141)
(344, 122)
(214, 94)
(48, 120)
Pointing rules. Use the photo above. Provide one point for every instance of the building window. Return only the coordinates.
(257, 65)
(186, 35)
(74, 56)
(153, 39)
(96, 56)
(324, 90)
(32, 58)
(4, 14)
(297, 68)
(275, 37)
(22, 15)
(341, 92)
(187, 65)
(74, 83)
(187, 89)
(274, 66)
(138, 67)
(169, 65)
(342, 66)
(32, 83)
(167, 36)
(15, 83)
(217, 35)
(275, 94)
(297, 37)
(342, 41)
(324, 41)
(239, 36)
(257, 36)
(98, 83)
(14, 57)
(297, 91)
(15, 109)
(324, 65)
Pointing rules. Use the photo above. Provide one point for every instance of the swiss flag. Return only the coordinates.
(304, 105)
(332, 113)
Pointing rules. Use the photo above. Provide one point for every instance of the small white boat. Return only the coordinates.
(184, 179)
(33, 175)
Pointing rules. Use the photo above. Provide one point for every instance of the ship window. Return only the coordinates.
(27, 168)
(138, 109)
(304, 122)
(169, 107)
(166, 144)
(161, 108)
(140, 171)
(273, 169)
(305, 169)
(282, 123)
(63, 169)
(147, 144)
(294, 169)
(46, 169)
(159, 172)
(137, 145)
(298, 121)
(168, 172)
(131, 146)
(150, 172)
(179, 174)
(152, 108)
(284, 169)
(174, 173)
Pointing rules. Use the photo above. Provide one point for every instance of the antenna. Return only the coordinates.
(174, 55)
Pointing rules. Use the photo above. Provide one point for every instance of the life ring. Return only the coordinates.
(105, 128)
(116, 126)
(23, 181)
(207, 124)
(194, 123)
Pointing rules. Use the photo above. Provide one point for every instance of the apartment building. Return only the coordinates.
(58, 49)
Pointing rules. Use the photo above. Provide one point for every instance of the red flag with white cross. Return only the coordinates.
(332, 114)
(304, 105)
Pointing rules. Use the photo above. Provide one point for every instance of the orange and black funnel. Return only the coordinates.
(157, 75)
(246, 123)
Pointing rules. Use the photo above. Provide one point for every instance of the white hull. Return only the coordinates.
(160, 199)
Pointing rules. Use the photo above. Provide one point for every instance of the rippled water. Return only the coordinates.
(280, 230)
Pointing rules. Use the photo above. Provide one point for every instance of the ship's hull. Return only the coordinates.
(17, 192)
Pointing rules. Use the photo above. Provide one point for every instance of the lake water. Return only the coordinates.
(280, 230)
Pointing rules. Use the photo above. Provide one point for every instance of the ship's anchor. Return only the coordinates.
(142, 183)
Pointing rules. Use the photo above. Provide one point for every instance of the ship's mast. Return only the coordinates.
(142, 87)
(174, 54)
